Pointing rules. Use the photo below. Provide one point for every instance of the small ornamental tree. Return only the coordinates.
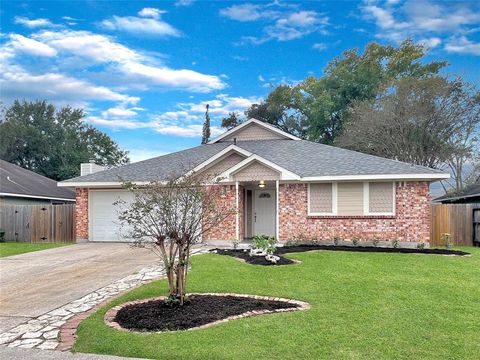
(168, 218)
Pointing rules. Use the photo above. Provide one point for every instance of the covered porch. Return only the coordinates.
(257, 209)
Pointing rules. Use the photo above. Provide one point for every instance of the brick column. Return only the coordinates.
(81, 214)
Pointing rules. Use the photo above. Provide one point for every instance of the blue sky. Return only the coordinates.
(144, 71)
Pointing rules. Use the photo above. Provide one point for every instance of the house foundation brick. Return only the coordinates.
(411, 221)
(81, 214)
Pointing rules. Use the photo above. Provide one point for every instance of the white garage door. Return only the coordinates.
(104, 223)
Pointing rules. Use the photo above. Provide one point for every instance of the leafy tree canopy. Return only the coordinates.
(53, 143)
(317, 108)
(429, 121)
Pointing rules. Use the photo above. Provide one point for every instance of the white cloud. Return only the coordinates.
(261, 78)
(284, 22)
(431, 43)
(124, 62)
(140, 25)
(33, 23)
(319, 46)
(84, 44)
(151, 12)
(463, 46)
(243, 12)
(185, 122)
(117, 123)
(429, 23)
(184, 2)
(16, 82)
(163, 76)
(30, 46)
(119, 112)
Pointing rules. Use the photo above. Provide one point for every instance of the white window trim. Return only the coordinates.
(366, 202)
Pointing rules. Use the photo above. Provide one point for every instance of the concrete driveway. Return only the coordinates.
(34, 283)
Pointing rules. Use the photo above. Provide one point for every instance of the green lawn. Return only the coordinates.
(364, 306)
(9, 249)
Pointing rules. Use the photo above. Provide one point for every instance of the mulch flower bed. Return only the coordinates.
(254, 260)
(371, 249)
(260, 260)
(199, 311)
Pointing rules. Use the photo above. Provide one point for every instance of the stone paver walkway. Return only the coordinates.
(43, 332)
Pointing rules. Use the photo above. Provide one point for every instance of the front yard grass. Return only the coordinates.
(14, 248)
(364, 306)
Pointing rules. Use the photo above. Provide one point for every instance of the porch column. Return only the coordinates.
(277, 210)
(237, 215)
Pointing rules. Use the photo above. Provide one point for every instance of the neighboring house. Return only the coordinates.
(19, 186)
(469, 195)
(281, 185)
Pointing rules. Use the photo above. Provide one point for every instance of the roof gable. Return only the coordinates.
(254, 129)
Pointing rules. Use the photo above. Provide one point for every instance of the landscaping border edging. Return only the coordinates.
(110, 315)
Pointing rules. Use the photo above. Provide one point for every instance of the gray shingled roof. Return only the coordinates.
(301, 157)
(469, 192)
(17, 180)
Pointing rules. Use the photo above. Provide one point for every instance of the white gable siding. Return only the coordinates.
(253, 132)
(222, 165)
(255, 172)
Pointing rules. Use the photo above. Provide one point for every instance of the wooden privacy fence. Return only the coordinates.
(455, 219)
(38, 223)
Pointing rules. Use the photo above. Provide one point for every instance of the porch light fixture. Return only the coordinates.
(261, 184)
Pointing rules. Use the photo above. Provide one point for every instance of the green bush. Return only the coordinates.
(2, 236)
(355, 240)
(266, 243)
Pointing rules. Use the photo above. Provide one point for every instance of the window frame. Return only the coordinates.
(366, 200)
(334, 201)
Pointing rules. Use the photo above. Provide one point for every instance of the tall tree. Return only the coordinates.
(317, 108)
(283, 109)
(431, 121)
(231, 121)
(206, 127)
(53, 142)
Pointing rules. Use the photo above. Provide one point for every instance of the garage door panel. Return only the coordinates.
(104, 222)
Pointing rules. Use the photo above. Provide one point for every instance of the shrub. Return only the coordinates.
(266, 243)
(336, 240)
(235, 243)
(2, 236)
(421, 245)
(355, 240)
(292, 243)
(447, 240)
(395, 243)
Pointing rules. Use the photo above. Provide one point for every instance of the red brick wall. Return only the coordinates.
(81, 213)
(226, 230)
(411, 222)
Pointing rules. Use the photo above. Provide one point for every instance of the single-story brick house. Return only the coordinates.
(281, 185)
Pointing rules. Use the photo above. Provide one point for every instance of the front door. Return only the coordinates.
(264, 213)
